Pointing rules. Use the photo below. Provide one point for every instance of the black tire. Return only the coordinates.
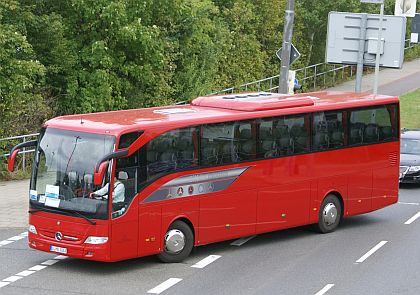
(326, 221)
(171, 257)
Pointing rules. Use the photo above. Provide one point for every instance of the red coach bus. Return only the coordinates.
(219, 168)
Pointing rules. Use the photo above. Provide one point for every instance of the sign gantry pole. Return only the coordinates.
(361, 52)
(378, 50)
(287, 43)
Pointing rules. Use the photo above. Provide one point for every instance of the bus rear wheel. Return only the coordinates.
(329, 214)
(177, 243)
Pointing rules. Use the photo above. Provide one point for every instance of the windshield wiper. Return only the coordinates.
(39, 208)
(81, 215)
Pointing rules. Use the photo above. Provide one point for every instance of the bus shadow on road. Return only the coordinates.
(282, 238)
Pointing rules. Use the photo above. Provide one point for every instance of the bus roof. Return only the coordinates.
(210, 109)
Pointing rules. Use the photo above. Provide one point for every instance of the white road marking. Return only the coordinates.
(16, 238)
(206, 261)
(25, 273)
(37, 267)
(31, 270)
(325, 289)
(403, 203)
(13, 239)
(12, 279)
(371, 251)
(5, 242)
(2, 284)
(50, 262)
(164, 286)
(412, 219)
(242, 241)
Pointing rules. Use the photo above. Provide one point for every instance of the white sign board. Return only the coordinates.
(405, 8)
(343, 39)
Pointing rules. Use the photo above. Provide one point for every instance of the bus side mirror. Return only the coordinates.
(14, 152)
(11, 160)
(99, 173)
(100, 168)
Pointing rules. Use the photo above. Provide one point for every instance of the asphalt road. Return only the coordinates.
(295, 261)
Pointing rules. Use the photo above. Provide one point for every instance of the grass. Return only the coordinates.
(410, 109)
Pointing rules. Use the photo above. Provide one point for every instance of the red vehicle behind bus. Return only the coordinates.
(118, 185)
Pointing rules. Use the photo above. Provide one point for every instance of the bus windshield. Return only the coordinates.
(62, 176)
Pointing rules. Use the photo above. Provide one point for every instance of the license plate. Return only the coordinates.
(58, 249)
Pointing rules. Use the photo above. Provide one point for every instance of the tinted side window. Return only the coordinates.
(388, 122)
(219, 144)
(372, 125)
(327, 130)
(299, 133)
(172, 151)
(127, 171)
(127, 139)
(245, 137)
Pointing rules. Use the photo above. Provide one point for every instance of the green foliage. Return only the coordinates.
(21, 75)
(410, 109)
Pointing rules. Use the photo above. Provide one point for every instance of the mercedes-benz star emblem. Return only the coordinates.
(58, 236)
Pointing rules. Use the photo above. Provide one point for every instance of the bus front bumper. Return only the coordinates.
(80, 251)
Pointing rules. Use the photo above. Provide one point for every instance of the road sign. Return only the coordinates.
(405, 8)
(343, 39)
(294, 54)
(373, 1)
(415, 29)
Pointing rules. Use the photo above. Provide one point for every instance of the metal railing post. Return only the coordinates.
(23, 155)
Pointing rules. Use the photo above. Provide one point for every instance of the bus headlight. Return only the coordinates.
(32, 229)
(96, 240)
(414, 169)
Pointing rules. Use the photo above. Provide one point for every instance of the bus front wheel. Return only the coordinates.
(329, 214)
(177, 243)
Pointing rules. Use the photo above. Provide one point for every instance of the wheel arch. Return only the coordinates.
(187, 221)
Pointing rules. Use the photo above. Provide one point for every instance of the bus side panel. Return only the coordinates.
(124, 234)
(180, 208)
(360, 192)
(226, 216)
(332, 184)
(283, 206)
(150, 224)
(385, 175)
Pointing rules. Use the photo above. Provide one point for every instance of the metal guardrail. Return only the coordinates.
(21, 138)
(312, 77)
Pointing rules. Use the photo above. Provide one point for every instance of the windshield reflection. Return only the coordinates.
(410, 146)
(62, 176)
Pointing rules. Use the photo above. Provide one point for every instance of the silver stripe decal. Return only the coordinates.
(207, 176)
(196, 184)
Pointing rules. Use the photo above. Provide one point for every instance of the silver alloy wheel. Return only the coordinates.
(329, 214)
(174, 241)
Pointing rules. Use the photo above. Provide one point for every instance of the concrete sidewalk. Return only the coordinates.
(391, 81)
(15, 194)
(14, 197)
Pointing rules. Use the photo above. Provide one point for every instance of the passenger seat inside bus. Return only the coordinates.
(246, 145)
(320, 138)
(371, 133)
(267, 144)
(282, 137)
(299, 136)
(356, 133)
(209, 152)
